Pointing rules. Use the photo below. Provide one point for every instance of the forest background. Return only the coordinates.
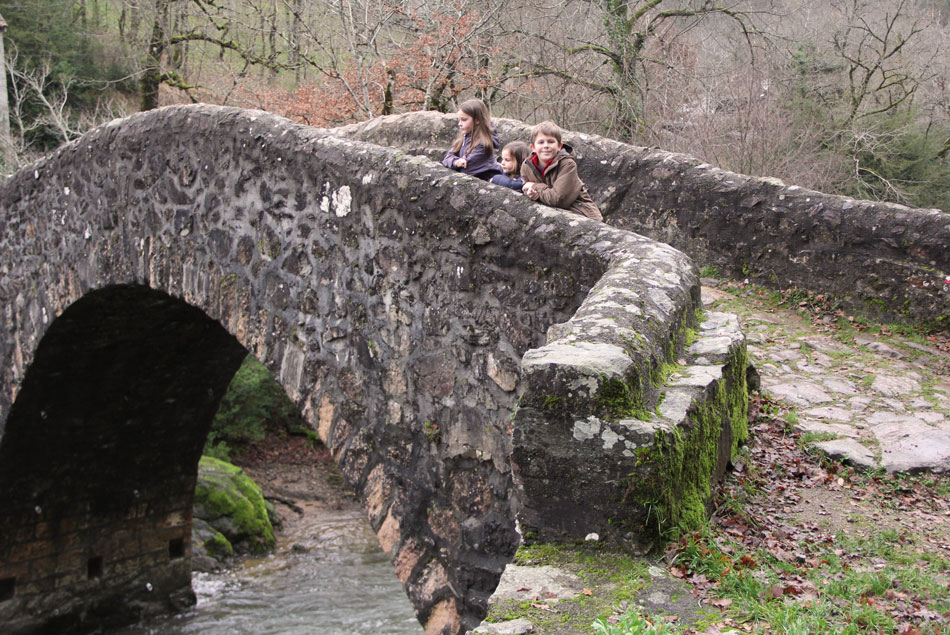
(843, 96)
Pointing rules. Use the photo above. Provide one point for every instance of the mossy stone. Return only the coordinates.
(233, 505)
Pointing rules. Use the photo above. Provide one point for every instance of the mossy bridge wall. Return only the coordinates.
(405, 309)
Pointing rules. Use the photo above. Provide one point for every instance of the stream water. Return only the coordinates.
(328, 576)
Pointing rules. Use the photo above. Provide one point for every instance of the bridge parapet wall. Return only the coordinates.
(398, 304)
(882, 260)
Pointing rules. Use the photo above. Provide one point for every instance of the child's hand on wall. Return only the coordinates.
(530, 191)
(461, 163)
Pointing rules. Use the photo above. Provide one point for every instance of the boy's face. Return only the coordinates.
(545, 147)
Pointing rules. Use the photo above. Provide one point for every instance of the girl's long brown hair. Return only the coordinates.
(481, 132)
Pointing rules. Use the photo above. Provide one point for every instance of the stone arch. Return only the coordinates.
(99, 452)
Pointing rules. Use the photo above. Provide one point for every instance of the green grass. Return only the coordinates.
(612, 578)
(838, 589)
(810, 438)
(632, 623)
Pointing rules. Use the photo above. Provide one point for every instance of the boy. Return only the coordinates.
(550, 173)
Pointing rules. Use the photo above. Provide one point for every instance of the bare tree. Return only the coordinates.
(246, 30)
(880, 75)
(6, 143)
(629, 32)
(39, 107)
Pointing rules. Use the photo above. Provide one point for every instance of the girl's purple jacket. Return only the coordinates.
(481, 162)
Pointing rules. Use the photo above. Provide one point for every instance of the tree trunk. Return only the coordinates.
(152, 65)
(6, 143)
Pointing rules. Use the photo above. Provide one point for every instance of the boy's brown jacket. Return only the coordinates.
(562, 186)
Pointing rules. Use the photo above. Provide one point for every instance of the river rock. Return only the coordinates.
(230, 513)
(830, 412)
(801, 393)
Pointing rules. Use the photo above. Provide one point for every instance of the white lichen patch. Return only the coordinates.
(610, 438)
(587, 430)
(662, 300)
(342, 201)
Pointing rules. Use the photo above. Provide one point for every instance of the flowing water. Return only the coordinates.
(328, 576)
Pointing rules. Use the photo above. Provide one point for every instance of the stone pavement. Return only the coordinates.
(879, 402)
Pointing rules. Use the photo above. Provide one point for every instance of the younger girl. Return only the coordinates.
(473, 152)
(512, 156)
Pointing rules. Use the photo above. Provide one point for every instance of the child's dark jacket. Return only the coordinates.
(507, 181)
(560, 184)
(481, 161)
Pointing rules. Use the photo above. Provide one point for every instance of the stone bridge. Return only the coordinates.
(469, 357)
(882, 260)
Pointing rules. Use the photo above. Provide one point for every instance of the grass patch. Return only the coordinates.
(843, 584)
(611, 578)
(811, 438)
(632, 623)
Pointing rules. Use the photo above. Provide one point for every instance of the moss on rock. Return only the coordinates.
(232, 504)
(676, 487)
